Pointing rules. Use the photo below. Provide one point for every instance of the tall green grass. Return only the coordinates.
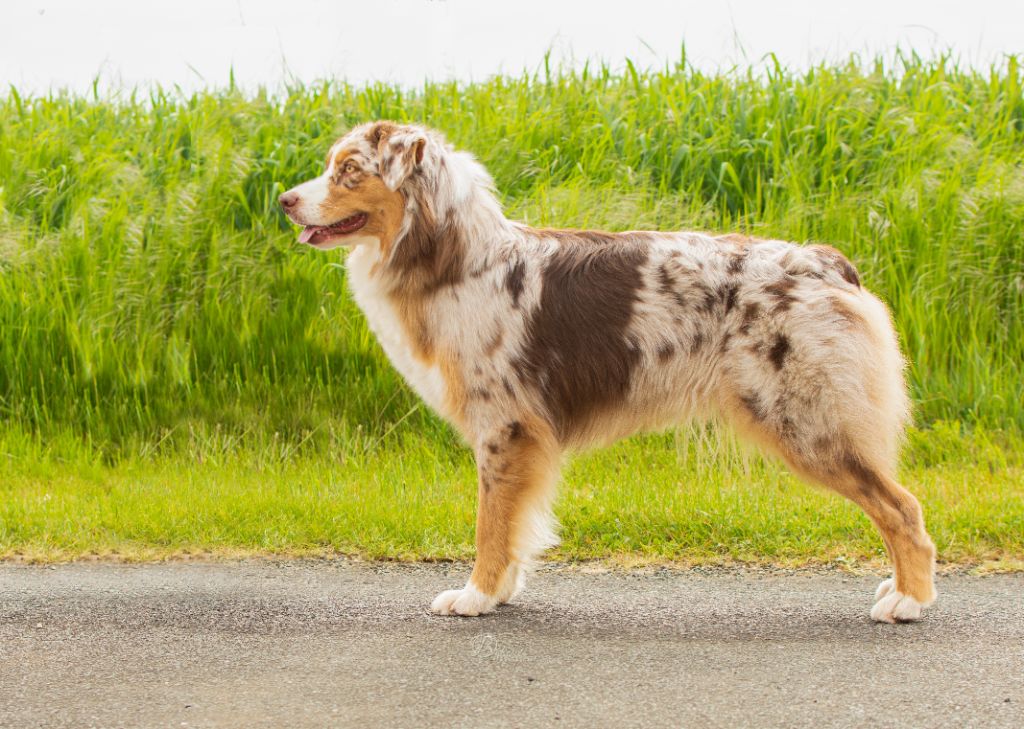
(150, 285)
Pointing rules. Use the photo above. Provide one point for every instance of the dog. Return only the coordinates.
(533, 342)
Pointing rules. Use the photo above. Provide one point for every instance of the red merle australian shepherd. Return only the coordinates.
(532, 342)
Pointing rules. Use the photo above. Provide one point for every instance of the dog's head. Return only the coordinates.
(358, 197)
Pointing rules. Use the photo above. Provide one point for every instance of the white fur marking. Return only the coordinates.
(895, 607)
(312, 194)
(383, 320)
(468, 602)
(884, 588)
(512, 584)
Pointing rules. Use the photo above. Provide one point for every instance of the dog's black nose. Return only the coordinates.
(288, 200)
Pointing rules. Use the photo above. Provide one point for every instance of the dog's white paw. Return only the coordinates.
(467, 602)
(893, 606)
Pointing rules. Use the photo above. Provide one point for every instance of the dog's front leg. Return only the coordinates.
(517, 469)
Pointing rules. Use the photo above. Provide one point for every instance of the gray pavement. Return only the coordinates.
(295, 644)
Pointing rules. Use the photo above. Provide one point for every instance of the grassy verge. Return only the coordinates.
(691, 497)
(177, 374)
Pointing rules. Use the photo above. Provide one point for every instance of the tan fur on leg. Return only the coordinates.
(517, 466)
(897, 515)
(892, 509)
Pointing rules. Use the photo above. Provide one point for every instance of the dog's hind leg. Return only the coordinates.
(897, 515)
(518, 467)
(819, 381)
(851, 471)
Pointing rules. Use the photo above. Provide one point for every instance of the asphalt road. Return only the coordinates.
(291, 644)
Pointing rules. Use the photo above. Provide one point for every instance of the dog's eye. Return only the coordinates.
(349, 167)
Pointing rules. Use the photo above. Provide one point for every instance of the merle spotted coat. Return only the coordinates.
(535, 341)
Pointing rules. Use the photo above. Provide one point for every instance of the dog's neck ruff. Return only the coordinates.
(452, 224)
(452, 232)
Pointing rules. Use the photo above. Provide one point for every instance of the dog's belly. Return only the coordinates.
(660, 397)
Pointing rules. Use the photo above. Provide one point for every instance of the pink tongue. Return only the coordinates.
(307, 233)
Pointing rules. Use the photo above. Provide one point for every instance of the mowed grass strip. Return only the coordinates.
(695, 498)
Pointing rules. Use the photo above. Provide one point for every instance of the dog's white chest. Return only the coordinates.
(425, 379)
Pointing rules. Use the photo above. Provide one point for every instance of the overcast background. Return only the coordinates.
(194, 43)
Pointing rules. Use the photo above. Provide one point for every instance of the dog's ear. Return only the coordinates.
(399, 153)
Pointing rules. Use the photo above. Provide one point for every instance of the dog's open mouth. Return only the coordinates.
(315, 234)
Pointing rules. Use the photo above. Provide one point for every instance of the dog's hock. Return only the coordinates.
(400, 154)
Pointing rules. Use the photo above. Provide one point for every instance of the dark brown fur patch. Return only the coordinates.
(667, 286)
(777, 354)
(751, 311)
(709, 298)
(577, 354)
(873, 487)
(753, 404)
(379, 131)
(430, 257)
(665, 351)
(514, 282)
(515, 430)
(838, 262)
(737, 262)
(781, 292)
(730, 293)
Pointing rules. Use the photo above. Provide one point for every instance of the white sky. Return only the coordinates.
(48, 44)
